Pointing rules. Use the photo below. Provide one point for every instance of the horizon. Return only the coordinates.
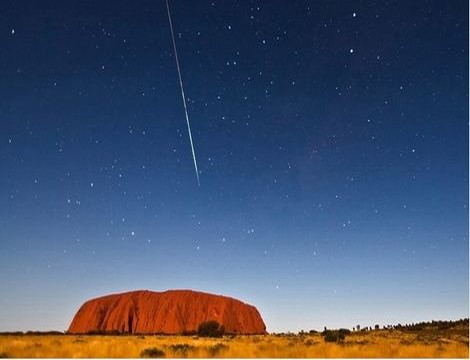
(331, 141)
(352, 328)
(281, 331)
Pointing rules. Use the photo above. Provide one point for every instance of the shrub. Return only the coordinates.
(330, 336)
(152, 353)
(181, 349)
(309, 342)
(44, 333)
(335, 335)
(210, 329)
(215, 349)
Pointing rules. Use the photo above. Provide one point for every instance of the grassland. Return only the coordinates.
(429, 343)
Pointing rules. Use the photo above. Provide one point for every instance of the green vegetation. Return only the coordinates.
(210, 329)
(181, 349)
(152, 352)
(215, 349)
(436, 325)
(335, 335)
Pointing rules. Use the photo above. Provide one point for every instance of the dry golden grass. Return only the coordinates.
(373, 344)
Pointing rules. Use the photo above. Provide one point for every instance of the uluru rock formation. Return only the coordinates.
(168, 312)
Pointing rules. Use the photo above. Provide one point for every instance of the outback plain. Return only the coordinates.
(425, 340)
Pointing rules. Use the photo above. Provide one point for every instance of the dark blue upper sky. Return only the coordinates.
(331, 139)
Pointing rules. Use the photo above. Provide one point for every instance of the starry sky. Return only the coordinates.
(331, 139)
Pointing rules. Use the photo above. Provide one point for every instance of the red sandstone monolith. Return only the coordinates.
(168, 312)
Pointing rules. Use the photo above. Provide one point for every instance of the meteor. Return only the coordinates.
(182, 92)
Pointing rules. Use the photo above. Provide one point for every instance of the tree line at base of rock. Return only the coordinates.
(214, 329)
(206, 329)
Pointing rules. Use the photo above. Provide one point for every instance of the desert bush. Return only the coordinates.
(181, 349)
(215, 349)
(335, 335)
(330, 336)
(210, 329)
(44, 333)
(152, 352)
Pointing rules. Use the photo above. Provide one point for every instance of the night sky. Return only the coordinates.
(331, 139)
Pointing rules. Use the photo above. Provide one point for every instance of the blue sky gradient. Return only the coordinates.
(332, 141)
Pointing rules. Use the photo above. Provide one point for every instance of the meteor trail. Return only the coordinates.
(182, 92)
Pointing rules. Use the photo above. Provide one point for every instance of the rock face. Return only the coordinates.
(168, 312)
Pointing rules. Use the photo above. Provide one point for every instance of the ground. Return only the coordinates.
(428, 343)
